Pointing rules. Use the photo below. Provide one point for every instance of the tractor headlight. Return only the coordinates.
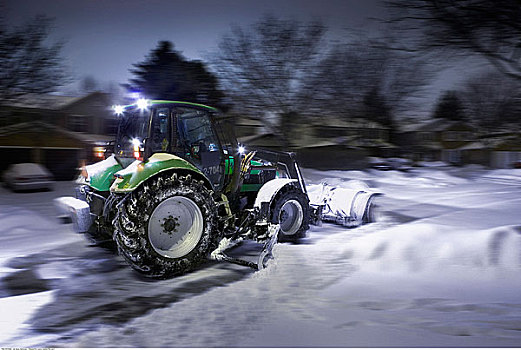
(118, 110)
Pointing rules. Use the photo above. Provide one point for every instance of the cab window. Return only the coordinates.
(160, 130)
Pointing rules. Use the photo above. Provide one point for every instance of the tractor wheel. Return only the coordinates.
(167, 227)
(290, 209)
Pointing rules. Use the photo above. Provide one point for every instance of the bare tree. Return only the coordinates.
(492, 100)
(364, 78)
(27, 63)
(490, 29)
(263, 68)
(449, 106)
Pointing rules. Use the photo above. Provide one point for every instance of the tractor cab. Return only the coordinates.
(189, 131)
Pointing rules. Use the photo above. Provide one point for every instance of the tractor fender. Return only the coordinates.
(270, 189)
(130, 178)
(100, 174)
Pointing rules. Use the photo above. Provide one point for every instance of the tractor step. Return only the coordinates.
(219, 255)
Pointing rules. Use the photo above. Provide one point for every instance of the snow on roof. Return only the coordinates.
(439, 124)
(44, 101)
(473, 145)
(347, 123)
(38, 126)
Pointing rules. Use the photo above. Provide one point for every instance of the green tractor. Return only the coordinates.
(178, 189)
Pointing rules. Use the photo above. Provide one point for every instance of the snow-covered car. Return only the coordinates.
(28, 176)
(401, 164)
(379, 163)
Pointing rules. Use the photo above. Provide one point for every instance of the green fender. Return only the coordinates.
(101, 174)
(128, 179)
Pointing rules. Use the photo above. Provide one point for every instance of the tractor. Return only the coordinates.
(178, 189)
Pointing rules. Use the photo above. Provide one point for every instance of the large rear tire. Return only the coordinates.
(290, 209)
(167, 227)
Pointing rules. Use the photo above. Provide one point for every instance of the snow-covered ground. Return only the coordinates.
(440, 268)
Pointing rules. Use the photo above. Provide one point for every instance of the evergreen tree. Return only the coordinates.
(450, 107)
(166, 74)
(375, 108)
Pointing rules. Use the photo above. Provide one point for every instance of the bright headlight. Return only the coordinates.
(118, 109)
(142, 104)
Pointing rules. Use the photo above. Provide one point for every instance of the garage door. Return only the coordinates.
(62, 163)
(13, 155)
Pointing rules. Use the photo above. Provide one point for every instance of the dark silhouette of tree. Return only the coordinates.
(491, 29)
(28, 63)
(166, 74)
(375, 108)
(89, 84)
(449, 106)
(492, 99)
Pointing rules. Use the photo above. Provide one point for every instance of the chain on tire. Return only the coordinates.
(168, 226)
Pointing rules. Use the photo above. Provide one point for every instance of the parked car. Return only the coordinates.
(379, 163)
(28, 176)
(401, 164)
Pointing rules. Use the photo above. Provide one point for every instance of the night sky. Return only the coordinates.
(104, 38)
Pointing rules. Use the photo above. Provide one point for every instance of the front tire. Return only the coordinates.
(290, 209)
(167, 227)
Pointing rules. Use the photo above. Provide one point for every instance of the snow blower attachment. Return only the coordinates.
(179, 190)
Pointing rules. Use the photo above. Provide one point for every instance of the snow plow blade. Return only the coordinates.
(76, 210)
(344, 206)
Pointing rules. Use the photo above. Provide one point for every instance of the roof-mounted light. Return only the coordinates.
(118, 109)
(142, 104)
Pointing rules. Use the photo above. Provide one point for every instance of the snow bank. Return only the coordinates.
(23, 232)
(504, 175)
(417, 248)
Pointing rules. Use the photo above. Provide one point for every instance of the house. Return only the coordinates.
(90, 114)
(436, 139)
(246, 127)
(56, 131)
(58, 149)
(351, 141)
(495, 150)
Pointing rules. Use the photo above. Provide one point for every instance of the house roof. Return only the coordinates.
(334, 122)
(44, 101)
(438, 124)
(248, 121)
(41, 127)
(51, 102)
(512, 142)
